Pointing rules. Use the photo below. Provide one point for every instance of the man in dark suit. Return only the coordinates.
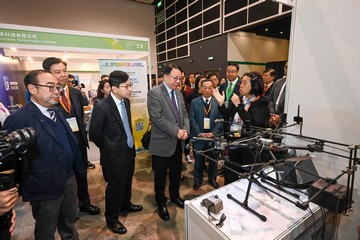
(169, 130)
(71, 105)
(203, 112)
(111, 131)
(268, 77)
(277, 100)
(47, 178)
(230, 87)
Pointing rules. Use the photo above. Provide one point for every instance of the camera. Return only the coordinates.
(12, 146)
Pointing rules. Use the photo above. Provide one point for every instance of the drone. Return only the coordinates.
(325, 192)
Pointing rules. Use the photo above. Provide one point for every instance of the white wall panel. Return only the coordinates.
(324, 81)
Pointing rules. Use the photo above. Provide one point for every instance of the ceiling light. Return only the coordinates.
(266, 29)
(281, 32)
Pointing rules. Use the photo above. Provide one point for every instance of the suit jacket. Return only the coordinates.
(43, 173)
(197, 115)
(108, 133)
(164, 126)
(236, 89)
(275, 91)
(258, 113)
(77, 111)
(268, 91)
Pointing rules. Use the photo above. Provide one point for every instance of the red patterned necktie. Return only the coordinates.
(65, 100)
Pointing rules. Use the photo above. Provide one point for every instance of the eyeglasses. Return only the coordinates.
(177, 78)
(231, 71)
(127, 86)
(51, 87)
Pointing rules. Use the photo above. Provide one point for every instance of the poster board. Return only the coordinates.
(137, 71)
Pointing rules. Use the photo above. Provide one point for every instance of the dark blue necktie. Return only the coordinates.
(207, 104)
(176, 108)
(124, 117)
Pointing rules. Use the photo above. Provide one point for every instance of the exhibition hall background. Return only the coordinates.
(322, 60)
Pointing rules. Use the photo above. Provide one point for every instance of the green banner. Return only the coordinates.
(14, 36)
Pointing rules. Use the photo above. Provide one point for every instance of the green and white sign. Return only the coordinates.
(37, 38)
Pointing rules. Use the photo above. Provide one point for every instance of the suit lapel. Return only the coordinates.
(42, 120)
(168, 99)
(114, 110)
(74, 103)
(127, 108)
(180, 104)
(214, 107)
(201, 104)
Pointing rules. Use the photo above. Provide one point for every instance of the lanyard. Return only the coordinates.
(208, 110)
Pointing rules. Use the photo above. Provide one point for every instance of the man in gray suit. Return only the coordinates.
(169, 130)
(277, 99)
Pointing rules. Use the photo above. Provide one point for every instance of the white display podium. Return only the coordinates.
(284, 219)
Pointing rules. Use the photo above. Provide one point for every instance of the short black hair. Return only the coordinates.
(271, 72)
(257, 83)
(169, 67)
(117, 77)
(234, 64)
(32, 77)
(71, 76)
(206, 80)
(160, 75)
(212, 74)
(47, 63)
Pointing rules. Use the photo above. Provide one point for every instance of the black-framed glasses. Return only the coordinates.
(127, 86)
(51, 87)
(177, 78)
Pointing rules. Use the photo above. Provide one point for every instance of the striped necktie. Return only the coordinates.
(52, 114)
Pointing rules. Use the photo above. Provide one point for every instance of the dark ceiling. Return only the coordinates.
(278, 28)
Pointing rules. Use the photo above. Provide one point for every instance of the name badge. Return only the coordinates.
(73, 124)
(206, 123)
